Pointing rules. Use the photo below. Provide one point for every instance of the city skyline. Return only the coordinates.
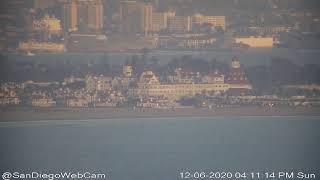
(140, 30)
(160, 89)
(91, 25)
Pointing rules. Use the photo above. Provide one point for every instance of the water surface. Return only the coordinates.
(160, 148)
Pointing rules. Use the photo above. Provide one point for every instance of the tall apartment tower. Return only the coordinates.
(42, 4)
(135, 17)
(83, 15)
(160, 20)
(156, 4)
(179, 24)
(70, 16)
(129, 17)
(95, 15)
(146, 17)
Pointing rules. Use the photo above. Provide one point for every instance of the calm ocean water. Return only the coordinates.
(161, 148)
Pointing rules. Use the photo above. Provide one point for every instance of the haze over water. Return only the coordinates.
(251, 57)
(161, 148)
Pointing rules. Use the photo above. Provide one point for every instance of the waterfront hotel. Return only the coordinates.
(149, 85)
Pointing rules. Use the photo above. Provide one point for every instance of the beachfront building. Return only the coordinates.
(184, 76)
(111, 98)
(155, 102)
(214, 77)
(10, 101)
(182, 86)
(126, 79)
(98, 83)
(77, 102)
(237, 77)
(152, 87)
(9, 94)
(43, 102)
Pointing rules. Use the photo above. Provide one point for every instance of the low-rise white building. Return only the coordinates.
(43, 102)
(258, 42)
(77, 102)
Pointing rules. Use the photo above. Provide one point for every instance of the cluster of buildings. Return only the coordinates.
(9, 94)
(184, 83)
(88, 25)
(147, 90)
(83, 21)
(85, 15)
(140, 17)
(48, 23)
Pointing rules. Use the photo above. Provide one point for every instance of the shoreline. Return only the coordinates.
(23, 114)
(175, 51)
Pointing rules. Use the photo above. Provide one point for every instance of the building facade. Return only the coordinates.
(146, 14)
(70, 16)
(150, 86)
(216, 21)
(129, 17)
(136, 17)
(84, 15)
(48, 23)
(95, 15)
(270, 29)
(42, 46)
(179, 24)
(259, 42)
(43, 4)
(159, 21)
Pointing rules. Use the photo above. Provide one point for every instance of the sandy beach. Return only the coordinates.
(38, 114)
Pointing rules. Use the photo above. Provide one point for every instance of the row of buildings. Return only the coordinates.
(147, 27)
(160, 42)
(134, 17)
(203, 41)
(188, 83)
(98, 25)
(107, 91)
(137, 17)
(147, 90)
(85, 14)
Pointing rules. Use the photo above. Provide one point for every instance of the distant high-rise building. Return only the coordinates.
(43, 4)
(95, 15)
(136, 17)
(70, 16)
(179, 24)
(146, 13)
(159, 21)
(83, 15)
(156, 4)
(129, 17)
(216, 21)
